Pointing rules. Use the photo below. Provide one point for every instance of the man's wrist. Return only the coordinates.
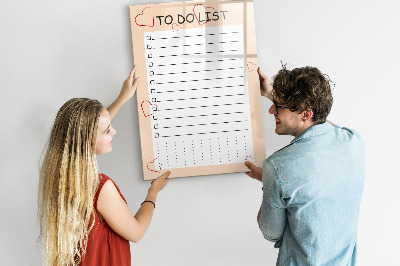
(269, 96)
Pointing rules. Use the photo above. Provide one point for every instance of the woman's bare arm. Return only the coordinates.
(127, 91)
(118, 216)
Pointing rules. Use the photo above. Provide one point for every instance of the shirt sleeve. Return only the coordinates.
(272, 221)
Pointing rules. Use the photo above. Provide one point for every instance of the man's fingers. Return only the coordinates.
(249, 165)
(261, 73)
(251, 174)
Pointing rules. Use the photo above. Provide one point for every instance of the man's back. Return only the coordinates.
(313, 188)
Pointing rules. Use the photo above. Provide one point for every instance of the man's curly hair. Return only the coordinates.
(304, 88)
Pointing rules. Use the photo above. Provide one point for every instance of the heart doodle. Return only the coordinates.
(251, 67)
(249, 157)
(144, 112)
(143, 18)
(151, 166)
(199, 8)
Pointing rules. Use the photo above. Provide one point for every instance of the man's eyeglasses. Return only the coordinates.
(278, 106)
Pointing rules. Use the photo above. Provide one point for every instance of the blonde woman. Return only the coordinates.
(84, 219)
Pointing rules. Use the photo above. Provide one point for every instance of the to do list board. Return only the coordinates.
(197, 102)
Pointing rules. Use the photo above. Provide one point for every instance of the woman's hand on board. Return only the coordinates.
(158, 184)
(127, 91)
(129, 87)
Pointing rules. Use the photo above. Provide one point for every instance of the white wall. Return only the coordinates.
(51, 51)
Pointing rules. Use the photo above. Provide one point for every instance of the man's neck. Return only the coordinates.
(305, 126)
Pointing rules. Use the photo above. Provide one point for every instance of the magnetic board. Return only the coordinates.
(198, 100)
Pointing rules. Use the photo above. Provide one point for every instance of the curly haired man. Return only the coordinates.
(312, 188)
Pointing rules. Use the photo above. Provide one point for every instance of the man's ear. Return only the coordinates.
(306, 115)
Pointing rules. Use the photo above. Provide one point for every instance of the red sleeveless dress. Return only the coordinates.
(105, 247)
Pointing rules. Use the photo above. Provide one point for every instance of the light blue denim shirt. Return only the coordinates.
(311, 197)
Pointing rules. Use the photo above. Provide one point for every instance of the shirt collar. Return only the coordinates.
(314, 131)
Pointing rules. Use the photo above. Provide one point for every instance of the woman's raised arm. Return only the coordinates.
(127, 91)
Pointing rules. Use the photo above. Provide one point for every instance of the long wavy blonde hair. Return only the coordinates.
(68, 182)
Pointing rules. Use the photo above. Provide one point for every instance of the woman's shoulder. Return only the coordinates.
(103, 176)
(103, 179)
(109, 184)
